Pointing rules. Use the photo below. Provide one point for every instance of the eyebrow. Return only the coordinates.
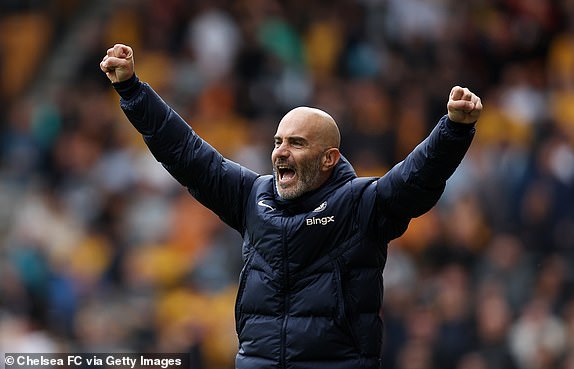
(292, 139)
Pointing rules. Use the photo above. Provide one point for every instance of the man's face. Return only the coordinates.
(297, 159)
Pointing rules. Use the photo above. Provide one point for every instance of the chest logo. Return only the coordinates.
(322, 221)
(321, 207)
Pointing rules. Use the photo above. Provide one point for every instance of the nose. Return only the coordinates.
(281, 151)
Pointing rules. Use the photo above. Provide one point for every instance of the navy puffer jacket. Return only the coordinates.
(311, 289)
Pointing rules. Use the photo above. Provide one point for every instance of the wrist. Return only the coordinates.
(128, 88)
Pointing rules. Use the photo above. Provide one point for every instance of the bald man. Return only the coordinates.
(315, 235)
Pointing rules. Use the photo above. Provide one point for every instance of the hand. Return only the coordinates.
(118, 64)
(463, 106)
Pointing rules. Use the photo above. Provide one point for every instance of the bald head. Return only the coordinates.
(317, 125)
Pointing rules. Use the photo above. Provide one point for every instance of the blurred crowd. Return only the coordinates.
(100, 250)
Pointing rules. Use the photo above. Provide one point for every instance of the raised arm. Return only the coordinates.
(413, 186)
(218, 183)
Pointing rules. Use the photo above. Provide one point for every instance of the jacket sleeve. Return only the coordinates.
(413, 186)
(218, 183)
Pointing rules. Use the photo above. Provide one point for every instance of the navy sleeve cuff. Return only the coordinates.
(459, 129)
(128, 88)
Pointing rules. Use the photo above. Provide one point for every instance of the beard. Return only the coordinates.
(308, 174)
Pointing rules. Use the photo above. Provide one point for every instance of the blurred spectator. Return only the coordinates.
(506, 265)
(537, 337)
(214, 40)
(473, 361)
(455, 332)
(493, 320)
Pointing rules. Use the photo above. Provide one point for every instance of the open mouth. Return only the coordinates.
(285, 173)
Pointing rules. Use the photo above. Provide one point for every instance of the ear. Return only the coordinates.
(331, 158)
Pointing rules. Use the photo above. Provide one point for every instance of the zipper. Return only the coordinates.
(343, 307)
(283, 355)
(242, 281)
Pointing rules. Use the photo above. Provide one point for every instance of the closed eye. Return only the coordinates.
(296, 142)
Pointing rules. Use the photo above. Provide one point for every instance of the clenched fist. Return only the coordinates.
(463, 106)
(118, 64)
